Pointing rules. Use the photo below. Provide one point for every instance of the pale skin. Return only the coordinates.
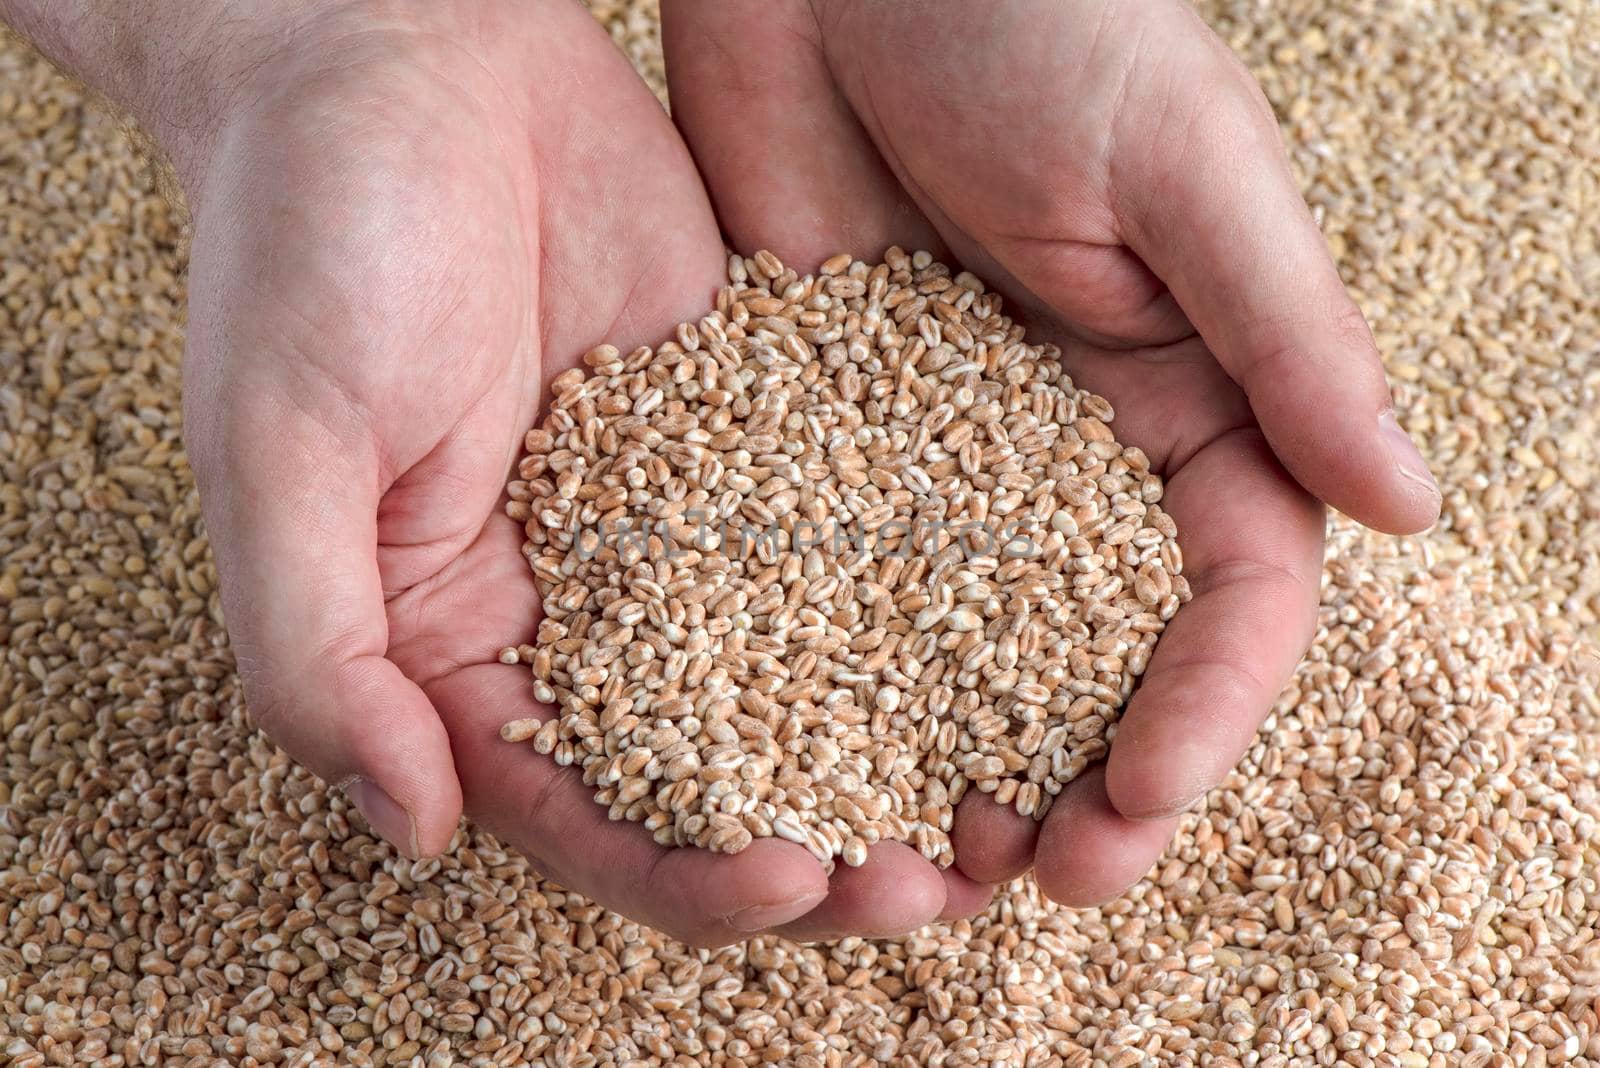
(409, 217)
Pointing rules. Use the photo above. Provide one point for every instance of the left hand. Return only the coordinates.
(1115, 169)
(408, 224)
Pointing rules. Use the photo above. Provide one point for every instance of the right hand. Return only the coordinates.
(1114, 170)
(407, 224)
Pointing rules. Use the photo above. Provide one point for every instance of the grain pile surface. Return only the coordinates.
(833, 554)
(1400, 873)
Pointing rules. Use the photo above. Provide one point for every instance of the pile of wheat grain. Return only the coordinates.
(823, 560)
(1402, 872)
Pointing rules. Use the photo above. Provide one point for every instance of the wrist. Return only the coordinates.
(322, 54)
(184, 69)
(176, 66)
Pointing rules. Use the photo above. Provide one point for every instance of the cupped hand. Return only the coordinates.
(1114, 168)
(408, 226)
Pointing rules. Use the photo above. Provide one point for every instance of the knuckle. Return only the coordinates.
(1282, 344)
(686, 918)
(268, 706)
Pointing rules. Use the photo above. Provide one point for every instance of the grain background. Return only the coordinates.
(1401, 872)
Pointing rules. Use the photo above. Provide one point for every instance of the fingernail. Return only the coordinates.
(385, 816)
(758, 918)
(1403, 451)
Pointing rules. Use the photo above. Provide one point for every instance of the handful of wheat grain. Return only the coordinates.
(839, 552)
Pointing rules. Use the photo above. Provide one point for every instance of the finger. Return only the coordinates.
(964, 896)
(895, 891)
(547, 813)
(1217, 214)
(1088, 851)
(1252, 545)
(292, 514)
(993, 842)
(747, 74)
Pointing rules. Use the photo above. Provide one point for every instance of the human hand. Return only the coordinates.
(408, 221)
(1114, 168)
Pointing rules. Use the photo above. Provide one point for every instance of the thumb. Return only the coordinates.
(292, 517)
(1217, 215)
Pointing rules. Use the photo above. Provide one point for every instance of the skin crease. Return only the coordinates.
(1113, 169)
(410, 217)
